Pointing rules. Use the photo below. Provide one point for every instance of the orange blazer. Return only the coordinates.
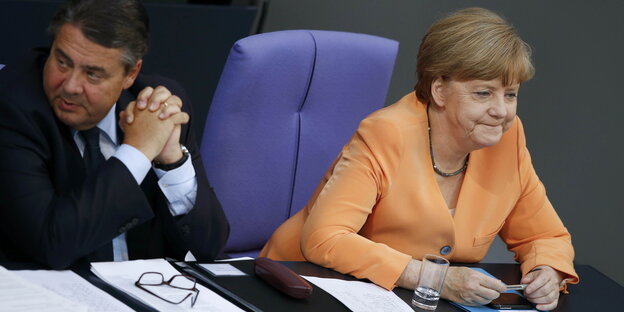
(379, 205)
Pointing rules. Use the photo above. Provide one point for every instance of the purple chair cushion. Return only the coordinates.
(286, 103)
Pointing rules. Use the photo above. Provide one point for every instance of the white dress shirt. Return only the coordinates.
(178, 185)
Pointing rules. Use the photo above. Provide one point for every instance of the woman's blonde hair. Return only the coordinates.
(472, 43)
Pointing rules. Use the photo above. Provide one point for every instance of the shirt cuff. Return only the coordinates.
(136, 162)
(179, 186)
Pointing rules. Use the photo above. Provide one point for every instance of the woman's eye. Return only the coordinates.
(482, 93)
(511, 95)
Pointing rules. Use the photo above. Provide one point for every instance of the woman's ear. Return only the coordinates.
(437, 91)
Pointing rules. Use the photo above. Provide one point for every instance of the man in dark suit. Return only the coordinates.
(98, 162)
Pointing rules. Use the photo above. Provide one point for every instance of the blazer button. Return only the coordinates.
(445, 250)
(135, 221)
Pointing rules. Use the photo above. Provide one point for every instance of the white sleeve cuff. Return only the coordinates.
(179, 186)
(138, 164)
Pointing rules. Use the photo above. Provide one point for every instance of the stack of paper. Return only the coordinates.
(71, 286)
(123, 275)
(361, 296)
(18, 294)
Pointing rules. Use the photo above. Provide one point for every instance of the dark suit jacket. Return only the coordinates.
(51, 212)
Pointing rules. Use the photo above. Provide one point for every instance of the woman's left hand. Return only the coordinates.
(543, 287)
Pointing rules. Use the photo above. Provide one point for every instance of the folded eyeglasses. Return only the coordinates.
(183, 282)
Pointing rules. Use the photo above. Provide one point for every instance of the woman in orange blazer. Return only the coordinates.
(442, 171)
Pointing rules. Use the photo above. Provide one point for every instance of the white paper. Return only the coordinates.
(124, 274)
(73, 287)
(221, 269)
(360, 296)
(18, 294)
(234, 259)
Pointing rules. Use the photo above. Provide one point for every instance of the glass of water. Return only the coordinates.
(430, 282)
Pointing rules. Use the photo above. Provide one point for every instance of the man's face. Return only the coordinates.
(83, 79)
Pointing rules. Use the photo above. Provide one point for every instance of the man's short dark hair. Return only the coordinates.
(119, 24)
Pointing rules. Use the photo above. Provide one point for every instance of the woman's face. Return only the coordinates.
(478, 111)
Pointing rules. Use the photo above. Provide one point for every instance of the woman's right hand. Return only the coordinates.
(467, 286)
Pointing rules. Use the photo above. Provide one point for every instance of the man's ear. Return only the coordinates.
(437, 91)
(134, 72)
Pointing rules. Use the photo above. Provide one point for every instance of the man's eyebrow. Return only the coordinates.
(63, 55)
(94, 68)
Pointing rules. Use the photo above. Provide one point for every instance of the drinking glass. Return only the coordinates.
(430, 282)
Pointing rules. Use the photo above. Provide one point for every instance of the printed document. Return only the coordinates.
(75, 288)
(17, 294)
(361, 296)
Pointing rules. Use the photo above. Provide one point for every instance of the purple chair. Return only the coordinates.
(285, 105)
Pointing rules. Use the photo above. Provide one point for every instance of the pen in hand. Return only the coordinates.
(521, 286)
(517, 287)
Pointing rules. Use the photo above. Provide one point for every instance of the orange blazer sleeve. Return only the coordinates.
(533, 230)
(360, 178)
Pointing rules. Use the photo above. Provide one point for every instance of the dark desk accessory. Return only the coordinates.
(511, 301)
(232, 297)
(282, 278)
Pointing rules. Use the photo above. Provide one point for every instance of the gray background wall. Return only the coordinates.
(572, 109)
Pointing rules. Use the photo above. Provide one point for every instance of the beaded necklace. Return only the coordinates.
(435, 167)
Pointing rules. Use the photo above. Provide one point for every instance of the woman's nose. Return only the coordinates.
(498, 108)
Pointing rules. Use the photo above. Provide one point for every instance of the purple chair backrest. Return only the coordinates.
(285, 105)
